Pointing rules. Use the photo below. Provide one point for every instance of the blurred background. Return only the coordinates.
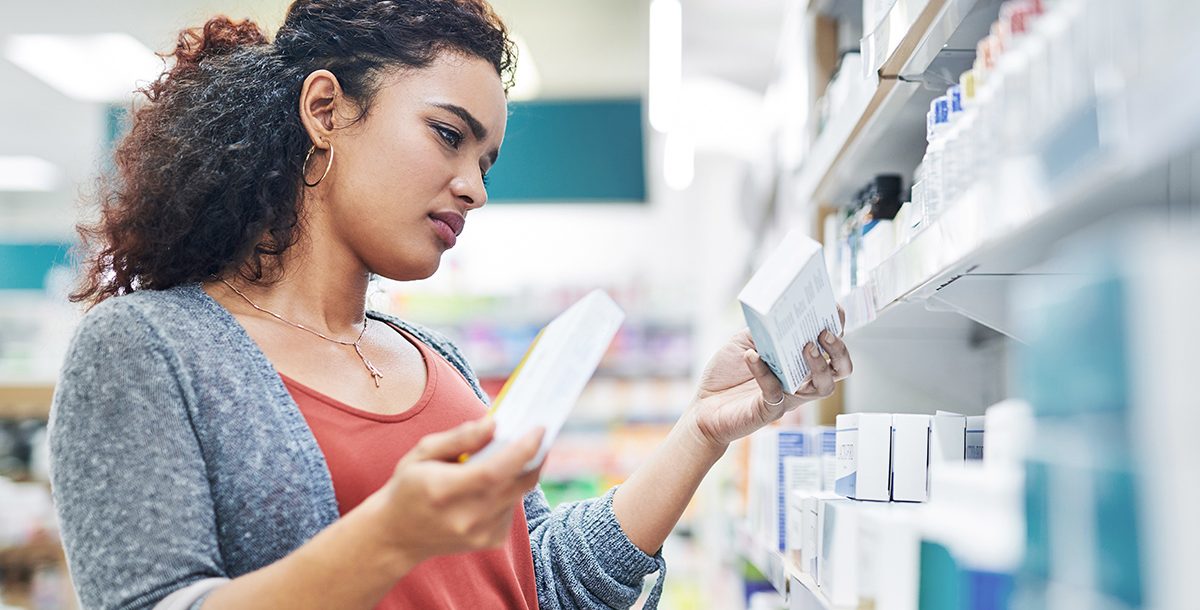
(1007, 197)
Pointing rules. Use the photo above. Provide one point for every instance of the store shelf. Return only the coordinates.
(28, 556)
(999, 231)
(798, 587)
(803, 593)
(25, 400)
(876, 129)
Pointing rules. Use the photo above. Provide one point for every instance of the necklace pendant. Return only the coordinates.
(375, 374)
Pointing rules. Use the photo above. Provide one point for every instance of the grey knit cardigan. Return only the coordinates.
(180, 461)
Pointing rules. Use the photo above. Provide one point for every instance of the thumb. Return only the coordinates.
(465, 438)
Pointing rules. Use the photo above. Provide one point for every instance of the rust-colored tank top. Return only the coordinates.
(362, 449)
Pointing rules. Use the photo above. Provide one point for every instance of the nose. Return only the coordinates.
(468, 188)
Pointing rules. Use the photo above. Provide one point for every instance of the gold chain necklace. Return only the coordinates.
(356, 344)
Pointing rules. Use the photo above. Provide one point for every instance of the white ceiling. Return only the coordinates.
(582, 48)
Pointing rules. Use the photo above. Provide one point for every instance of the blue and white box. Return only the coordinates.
(864, 451)
(787, 303)
(796, 467)
(825, 441)
(975, 432)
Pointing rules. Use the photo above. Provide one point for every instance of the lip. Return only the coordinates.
(453, 219)
(448, 226)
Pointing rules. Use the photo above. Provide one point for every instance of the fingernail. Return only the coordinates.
(827, 337)
(812, 350)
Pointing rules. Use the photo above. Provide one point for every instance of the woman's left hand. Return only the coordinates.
(737, 386)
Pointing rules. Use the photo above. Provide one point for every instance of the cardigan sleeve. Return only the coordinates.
(128, 477)
(581, 557)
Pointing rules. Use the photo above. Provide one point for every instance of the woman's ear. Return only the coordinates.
(319, 97)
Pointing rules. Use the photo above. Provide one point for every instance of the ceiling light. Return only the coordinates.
(26, 173)
(94, 68)
(666, 62)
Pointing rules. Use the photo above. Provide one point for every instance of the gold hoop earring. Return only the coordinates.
(304, 168)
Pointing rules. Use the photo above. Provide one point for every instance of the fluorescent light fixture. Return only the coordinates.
(94, 67)
(679, 160)
(27, 173)
(528, 80)
(666, 62)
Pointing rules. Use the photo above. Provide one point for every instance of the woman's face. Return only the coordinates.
(405, 176)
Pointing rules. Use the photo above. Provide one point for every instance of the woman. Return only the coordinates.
(235, 430)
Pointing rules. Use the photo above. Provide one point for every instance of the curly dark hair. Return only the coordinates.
(208, 179)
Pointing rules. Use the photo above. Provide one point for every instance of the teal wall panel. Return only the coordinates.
(24, 266)
(571, 151)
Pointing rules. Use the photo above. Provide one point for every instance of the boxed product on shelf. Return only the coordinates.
(1010, 429)
(802, 527)
(787, 303)
(837, 555)
(910, 457)
(864, 455)
(947, 437)
(888, 558)
(783, 459)
(971, 547)
(809, 528)
(976, 427)
(825, 441)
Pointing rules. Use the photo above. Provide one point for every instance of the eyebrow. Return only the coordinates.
(477, 129)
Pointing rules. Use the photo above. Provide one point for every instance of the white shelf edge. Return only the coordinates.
(779, 569)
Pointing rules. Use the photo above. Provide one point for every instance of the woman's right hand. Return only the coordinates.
(434, 505)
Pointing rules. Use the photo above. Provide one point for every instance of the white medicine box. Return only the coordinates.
(864, 451)
(910, 458)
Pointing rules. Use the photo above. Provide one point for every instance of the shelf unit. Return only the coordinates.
(885, 111)
(960, 265)
(25, 400)
(28, 556)
(784, 575)
(938, 312)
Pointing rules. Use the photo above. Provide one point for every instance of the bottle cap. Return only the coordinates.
(967, 82)
(941, 110)
(954, 94)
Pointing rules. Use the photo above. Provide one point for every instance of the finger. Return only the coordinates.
(821, 376)
(768, 384)
(519, 488)
(468, 437)
(842, 317)
(509, 462)
(839, 355)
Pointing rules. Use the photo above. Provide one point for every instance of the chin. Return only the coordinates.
(408, 270)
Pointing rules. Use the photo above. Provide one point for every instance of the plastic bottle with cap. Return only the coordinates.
(953, 173)
(936, 125)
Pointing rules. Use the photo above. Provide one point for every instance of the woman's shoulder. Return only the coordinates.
(440, 343)
(173, 317)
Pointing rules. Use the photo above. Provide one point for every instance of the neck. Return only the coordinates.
(322, 288)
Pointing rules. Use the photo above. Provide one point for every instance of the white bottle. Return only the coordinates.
(934, 191)
(953, 173)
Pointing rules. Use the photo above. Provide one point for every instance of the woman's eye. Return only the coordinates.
(452, 138)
